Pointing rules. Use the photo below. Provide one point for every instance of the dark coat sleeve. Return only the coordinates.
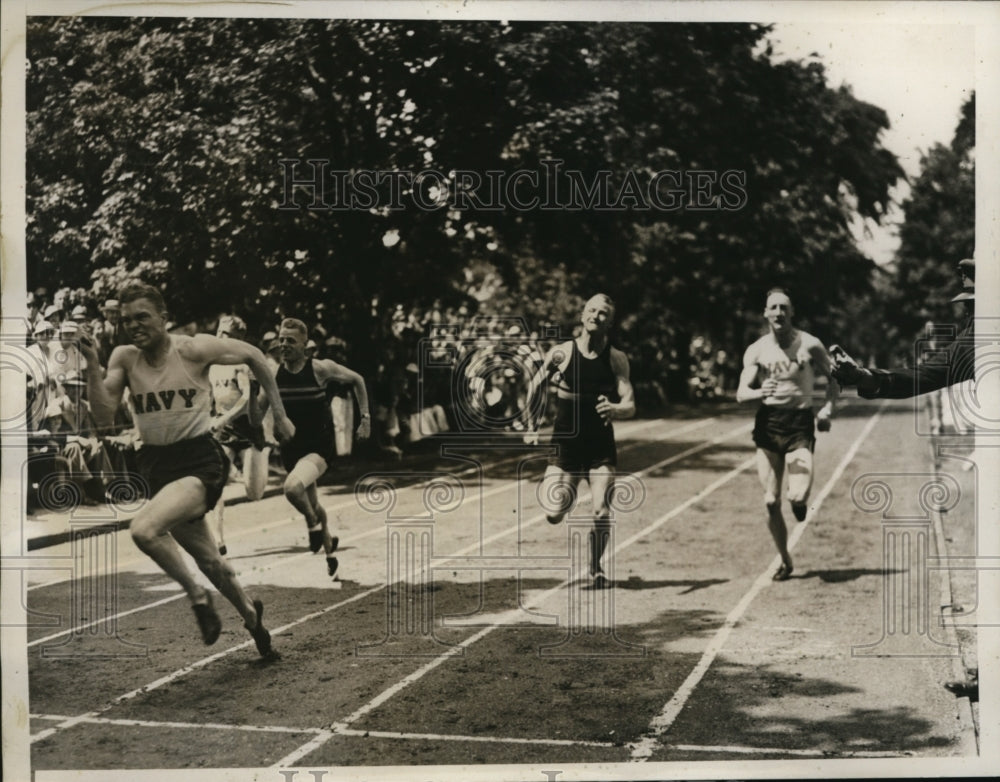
(955, 366)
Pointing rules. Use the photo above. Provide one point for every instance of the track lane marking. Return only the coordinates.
(474, 496)
(644, 747)
(138, 558)
(340, 725)
(326, 734)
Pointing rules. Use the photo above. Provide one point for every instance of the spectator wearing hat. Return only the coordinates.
(53, 314)
(108, 332)
(79, 314)
(39, 371)
(67, 361)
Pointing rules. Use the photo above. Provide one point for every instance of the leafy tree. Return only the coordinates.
(155, 147)
(938, 231)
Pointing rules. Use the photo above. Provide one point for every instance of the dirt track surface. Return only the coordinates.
(499, 652)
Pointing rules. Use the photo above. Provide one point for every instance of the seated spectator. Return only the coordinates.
(67, 361)
(70, 425)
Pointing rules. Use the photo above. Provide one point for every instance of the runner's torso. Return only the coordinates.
(582, 382)
(169, 402)
(790, 366)
(306, 402)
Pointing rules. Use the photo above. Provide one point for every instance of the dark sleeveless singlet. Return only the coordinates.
(307, 405)
(585, 440)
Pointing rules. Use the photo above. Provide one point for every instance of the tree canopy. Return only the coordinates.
(163, 148)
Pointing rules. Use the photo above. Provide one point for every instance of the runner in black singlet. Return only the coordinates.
(592, 385)
(302, 384)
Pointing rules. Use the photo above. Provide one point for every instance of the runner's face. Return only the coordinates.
(145, 325)
(778, 311)
(597, 314)
(291, 346)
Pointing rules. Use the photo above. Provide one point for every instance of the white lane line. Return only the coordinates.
(400, 736)
(171, 724)
(138, 558)
(180, 672)
(644, 747)
(293, 757)
(326, 735)
(387, 734)
(256, 569)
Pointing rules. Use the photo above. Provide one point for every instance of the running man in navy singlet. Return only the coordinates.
(593, 389)
(183, 466)
(779, 369)
(302, 383)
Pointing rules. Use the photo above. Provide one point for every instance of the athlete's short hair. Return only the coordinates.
(140, 290)
(777, 289)
(607, 300)
(294, 324)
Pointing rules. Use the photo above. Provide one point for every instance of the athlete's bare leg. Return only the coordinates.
(175, 504)
(255, 472)
(558, 493)
(602, 482)
(770, 470)
(303, 476)
(195, 538)
(799, 464)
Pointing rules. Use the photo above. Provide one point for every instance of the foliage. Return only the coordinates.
(938, 232)
(155, 146)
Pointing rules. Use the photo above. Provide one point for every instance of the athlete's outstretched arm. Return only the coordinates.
(327, 370)
(207, 349)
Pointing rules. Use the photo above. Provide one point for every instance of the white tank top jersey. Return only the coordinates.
(169, 404)
(225, 382)
(791, 367)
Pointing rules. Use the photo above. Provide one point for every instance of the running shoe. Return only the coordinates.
(783, 573)
(599, 581)
(331, 566)
(261, 636)
(799, 510)
(208, 621)
(223, 550)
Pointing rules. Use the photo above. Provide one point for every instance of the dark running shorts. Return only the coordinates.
(302, 444)
(239, 434)
(585, 451)
(781, 430)
(200, 457)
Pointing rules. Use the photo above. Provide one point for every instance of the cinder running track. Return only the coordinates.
(464, 630)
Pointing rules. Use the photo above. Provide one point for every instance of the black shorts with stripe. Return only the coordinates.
(199, 457)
